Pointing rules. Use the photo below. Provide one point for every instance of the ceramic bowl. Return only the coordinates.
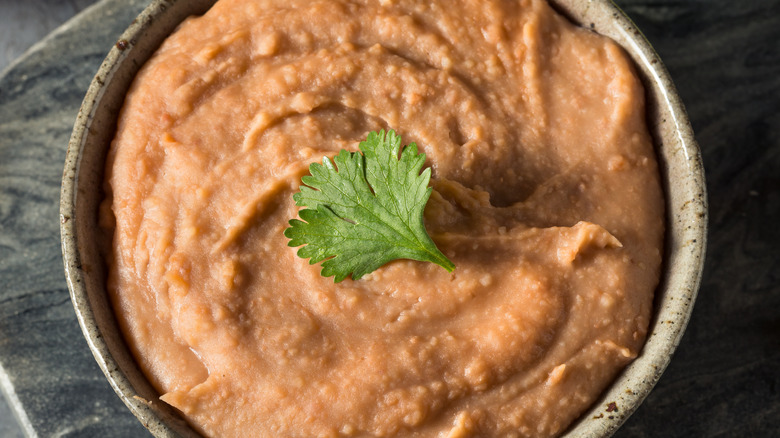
(680, 165)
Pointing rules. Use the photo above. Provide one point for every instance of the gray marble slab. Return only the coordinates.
(54, 383)
(23, 23)
(724, 380)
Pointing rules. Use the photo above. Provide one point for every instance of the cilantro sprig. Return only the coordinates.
(365, 209)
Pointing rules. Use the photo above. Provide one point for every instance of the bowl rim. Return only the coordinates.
(124, 59)
(686, 217)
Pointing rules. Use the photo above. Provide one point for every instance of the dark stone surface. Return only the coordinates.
(23, 23)
(725, 378)
(49, 368)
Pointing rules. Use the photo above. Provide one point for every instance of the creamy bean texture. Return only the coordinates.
(546, 197)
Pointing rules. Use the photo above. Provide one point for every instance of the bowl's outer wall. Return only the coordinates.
(680, 165)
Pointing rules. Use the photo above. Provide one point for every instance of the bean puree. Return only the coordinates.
(546, 197)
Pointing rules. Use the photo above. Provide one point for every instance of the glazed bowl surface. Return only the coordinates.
(678, 154)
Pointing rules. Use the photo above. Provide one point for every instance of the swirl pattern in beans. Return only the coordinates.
(546, 197)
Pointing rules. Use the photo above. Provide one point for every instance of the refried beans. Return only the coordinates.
(546, 197)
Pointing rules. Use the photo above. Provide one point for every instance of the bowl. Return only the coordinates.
(679, 161)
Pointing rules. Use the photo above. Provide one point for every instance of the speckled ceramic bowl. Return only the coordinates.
(681, 170)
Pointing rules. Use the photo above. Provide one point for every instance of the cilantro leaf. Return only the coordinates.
(364, 210)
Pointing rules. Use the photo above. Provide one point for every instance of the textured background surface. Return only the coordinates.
(725, 378)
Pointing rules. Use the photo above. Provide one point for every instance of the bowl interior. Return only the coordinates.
(680, 165)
